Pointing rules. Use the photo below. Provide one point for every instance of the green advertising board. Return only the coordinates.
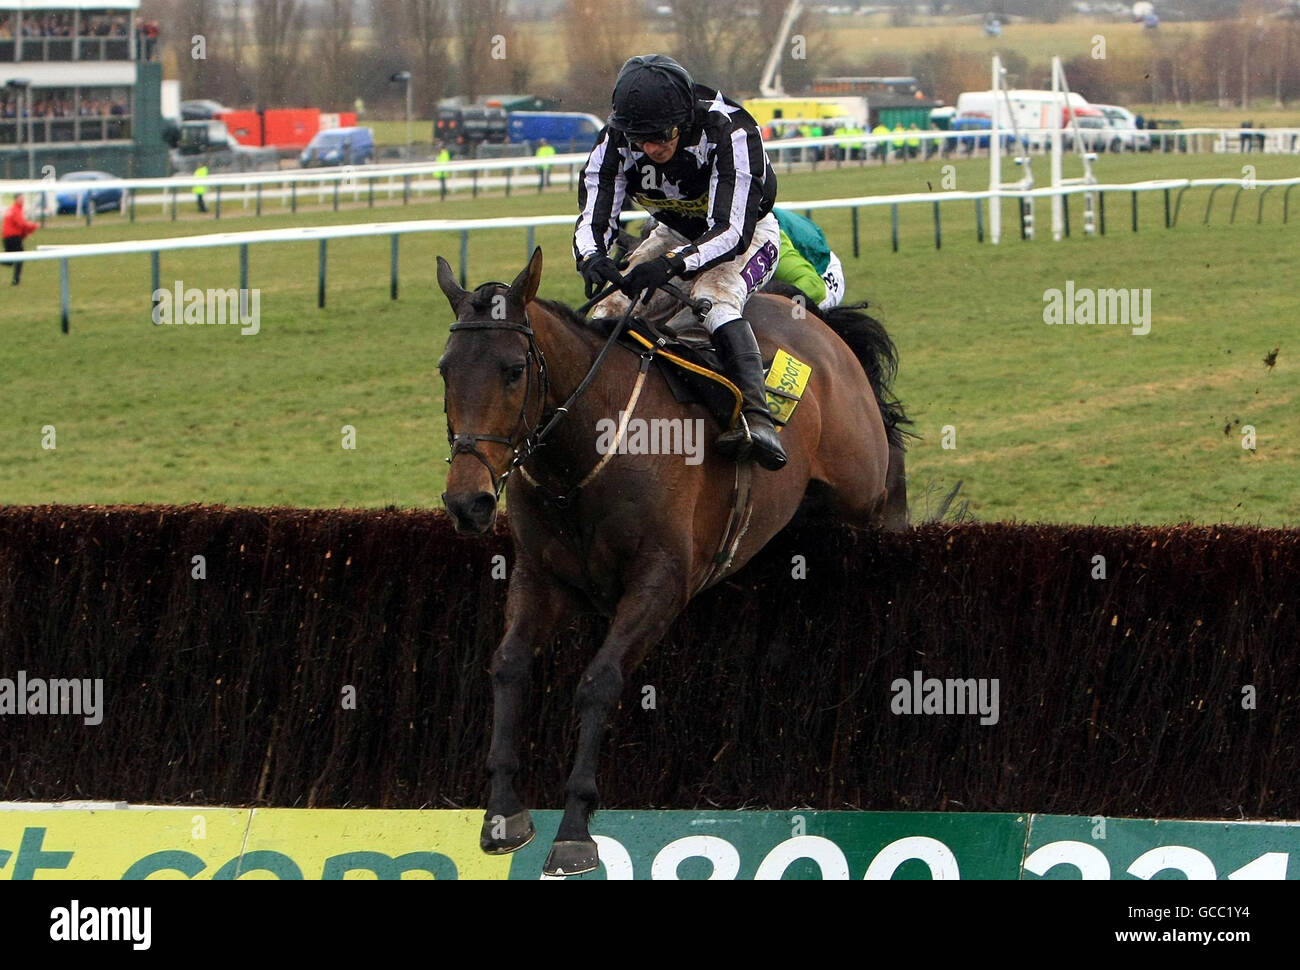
(174, 842)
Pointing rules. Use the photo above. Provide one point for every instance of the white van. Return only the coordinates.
(1034, 112)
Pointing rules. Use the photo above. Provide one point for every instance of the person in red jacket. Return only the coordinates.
(16, 229)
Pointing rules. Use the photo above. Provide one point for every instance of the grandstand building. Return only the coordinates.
(80, 88)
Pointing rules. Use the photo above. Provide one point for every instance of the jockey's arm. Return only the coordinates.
(735, 201)
(601, 194)
(795, 269)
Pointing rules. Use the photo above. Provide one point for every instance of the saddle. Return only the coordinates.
(694, 373)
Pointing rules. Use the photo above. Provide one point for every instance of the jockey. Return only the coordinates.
(694, 158)
(807, 261)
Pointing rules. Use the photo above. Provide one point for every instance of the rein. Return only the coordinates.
(533, 438)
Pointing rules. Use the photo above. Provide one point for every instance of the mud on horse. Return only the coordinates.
(633, 537)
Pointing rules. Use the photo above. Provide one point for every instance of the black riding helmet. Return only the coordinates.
(652, 96)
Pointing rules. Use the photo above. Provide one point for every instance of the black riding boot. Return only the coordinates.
(741, 359)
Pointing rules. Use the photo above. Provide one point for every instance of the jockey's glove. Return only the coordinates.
(597, 271)
(653, 273)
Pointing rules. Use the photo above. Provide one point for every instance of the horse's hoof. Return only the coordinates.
(572, 858)
(502, 834)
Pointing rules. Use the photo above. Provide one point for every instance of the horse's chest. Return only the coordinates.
(587, 557)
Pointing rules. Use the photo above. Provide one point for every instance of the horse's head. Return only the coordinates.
(495, 381)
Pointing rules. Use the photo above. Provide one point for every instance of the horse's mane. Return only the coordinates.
(569, 315)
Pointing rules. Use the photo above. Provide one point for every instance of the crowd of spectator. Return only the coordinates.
(60, 105)
(61, 24)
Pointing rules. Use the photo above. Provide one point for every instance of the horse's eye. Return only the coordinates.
(513, 374)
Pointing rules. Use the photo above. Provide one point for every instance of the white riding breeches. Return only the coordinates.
(727, 286)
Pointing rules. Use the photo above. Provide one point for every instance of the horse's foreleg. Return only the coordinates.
(533, 614)
(642, 618)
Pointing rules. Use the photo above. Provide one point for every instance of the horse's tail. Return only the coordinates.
(875, 351)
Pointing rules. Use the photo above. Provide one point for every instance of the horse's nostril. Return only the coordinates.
(483, 505)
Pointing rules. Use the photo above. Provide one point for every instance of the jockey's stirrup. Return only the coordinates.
(756, 437)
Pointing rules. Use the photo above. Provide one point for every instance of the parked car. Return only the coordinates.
(201, 110)
(339, 146)
(972, 124)
(77, 193)
(1125, 136)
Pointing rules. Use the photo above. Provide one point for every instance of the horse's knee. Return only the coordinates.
(600, 687)
(510, 664)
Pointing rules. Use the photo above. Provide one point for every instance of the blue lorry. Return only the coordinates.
(567, 131)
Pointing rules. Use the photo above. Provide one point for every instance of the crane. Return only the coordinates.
(770, 85)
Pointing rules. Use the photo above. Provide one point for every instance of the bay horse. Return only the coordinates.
(632, 536)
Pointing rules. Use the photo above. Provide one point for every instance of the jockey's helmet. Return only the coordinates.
(652, 96)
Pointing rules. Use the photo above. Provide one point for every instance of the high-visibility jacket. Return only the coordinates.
(546, 151)
(899, 140)
(200, 173)
(913, 141)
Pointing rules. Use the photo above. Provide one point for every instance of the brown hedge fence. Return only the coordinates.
(1169, 688)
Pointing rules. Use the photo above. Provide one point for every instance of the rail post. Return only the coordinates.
(392, 270)
(320, 280)
(64, 303)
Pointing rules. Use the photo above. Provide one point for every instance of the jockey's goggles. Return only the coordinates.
(662, 137)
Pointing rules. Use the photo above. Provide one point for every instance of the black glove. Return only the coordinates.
(597, 271)
(652, 274)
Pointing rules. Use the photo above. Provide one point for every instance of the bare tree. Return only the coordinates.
(481, 27)
(279, 27)
(195, 24)
(427, 22)
(337, 57)
(727, 41)
(597, 34)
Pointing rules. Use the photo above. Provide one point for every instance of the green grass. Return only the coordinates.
(1053, 423)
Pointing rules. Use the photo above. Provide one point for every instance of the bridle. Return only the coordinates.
(534, 436)
(466, 442)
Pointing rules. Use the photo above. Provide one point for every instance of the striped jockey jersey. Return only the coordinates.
(714, 189)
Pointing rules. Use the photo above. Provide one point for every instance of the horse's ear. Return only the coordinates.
(524, 289)
(454, 292)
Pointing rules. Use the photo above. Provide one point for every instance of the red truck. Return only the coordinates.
(285, 129)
